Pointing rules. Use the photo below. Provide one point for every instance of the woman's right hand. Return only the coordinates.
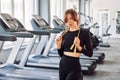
(59, 41)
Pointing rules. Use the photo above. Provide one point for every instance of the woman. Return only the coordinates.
(71, 44)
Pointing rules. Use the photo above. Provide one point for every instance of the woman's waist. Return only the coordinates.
(72, 54)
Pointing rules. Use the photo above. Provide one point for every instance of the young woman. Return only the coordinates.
(71, 44)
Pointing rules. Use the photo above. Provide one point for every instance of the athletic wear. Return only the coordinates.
(85, 42)
(69, 67)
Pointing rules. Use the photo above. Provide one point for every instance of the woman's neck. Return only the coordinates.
(74, 29)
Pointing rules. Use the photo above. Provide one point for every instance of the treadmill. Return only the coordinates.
(97, 56)
(3, 38)
(8, 37)
(41, 58)
(9, 25)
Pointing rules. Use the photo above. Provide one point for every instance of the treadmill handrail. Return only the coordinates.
(7, 37)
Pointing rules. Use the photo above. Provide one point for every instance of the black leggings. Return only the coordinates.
(70, 68)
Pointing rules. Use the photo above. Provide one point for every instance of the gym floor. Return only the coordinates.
(110, 69)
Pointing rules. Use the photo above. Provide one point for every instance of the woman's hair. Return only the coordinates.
(73, 14)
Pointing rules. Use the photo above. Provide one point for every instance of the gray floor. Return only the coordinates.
(110, 69)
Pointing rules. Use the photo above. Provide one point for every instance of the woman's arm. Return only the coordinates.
(60, 51)
(87, 49)
(59, 47)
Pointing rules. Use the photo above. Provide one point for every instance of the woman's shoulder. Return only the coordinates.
(84, 30)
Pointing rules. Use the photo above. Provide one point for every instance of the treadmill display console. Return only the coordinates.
(41, 22)
(58, 21)
(9, 21)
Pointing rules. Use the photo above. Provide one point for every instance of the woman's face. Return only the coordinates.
(70, 21)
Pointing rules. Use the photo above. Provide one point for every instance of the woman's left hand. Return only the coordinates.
(77, 43)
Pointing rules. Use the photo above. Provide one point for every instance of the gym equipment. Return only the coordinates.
(41, 58)
(11, 70)
(95, 39)
(91, 24)
(106, 44)
(99, 57)
(7, 37)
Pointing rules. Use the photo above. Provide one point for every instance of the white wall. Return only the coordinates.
(112, 6)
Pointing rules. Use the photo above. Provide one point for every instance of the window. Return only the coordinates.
(57, 7)
(118, 23)
(6, 6)
(19, 10)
